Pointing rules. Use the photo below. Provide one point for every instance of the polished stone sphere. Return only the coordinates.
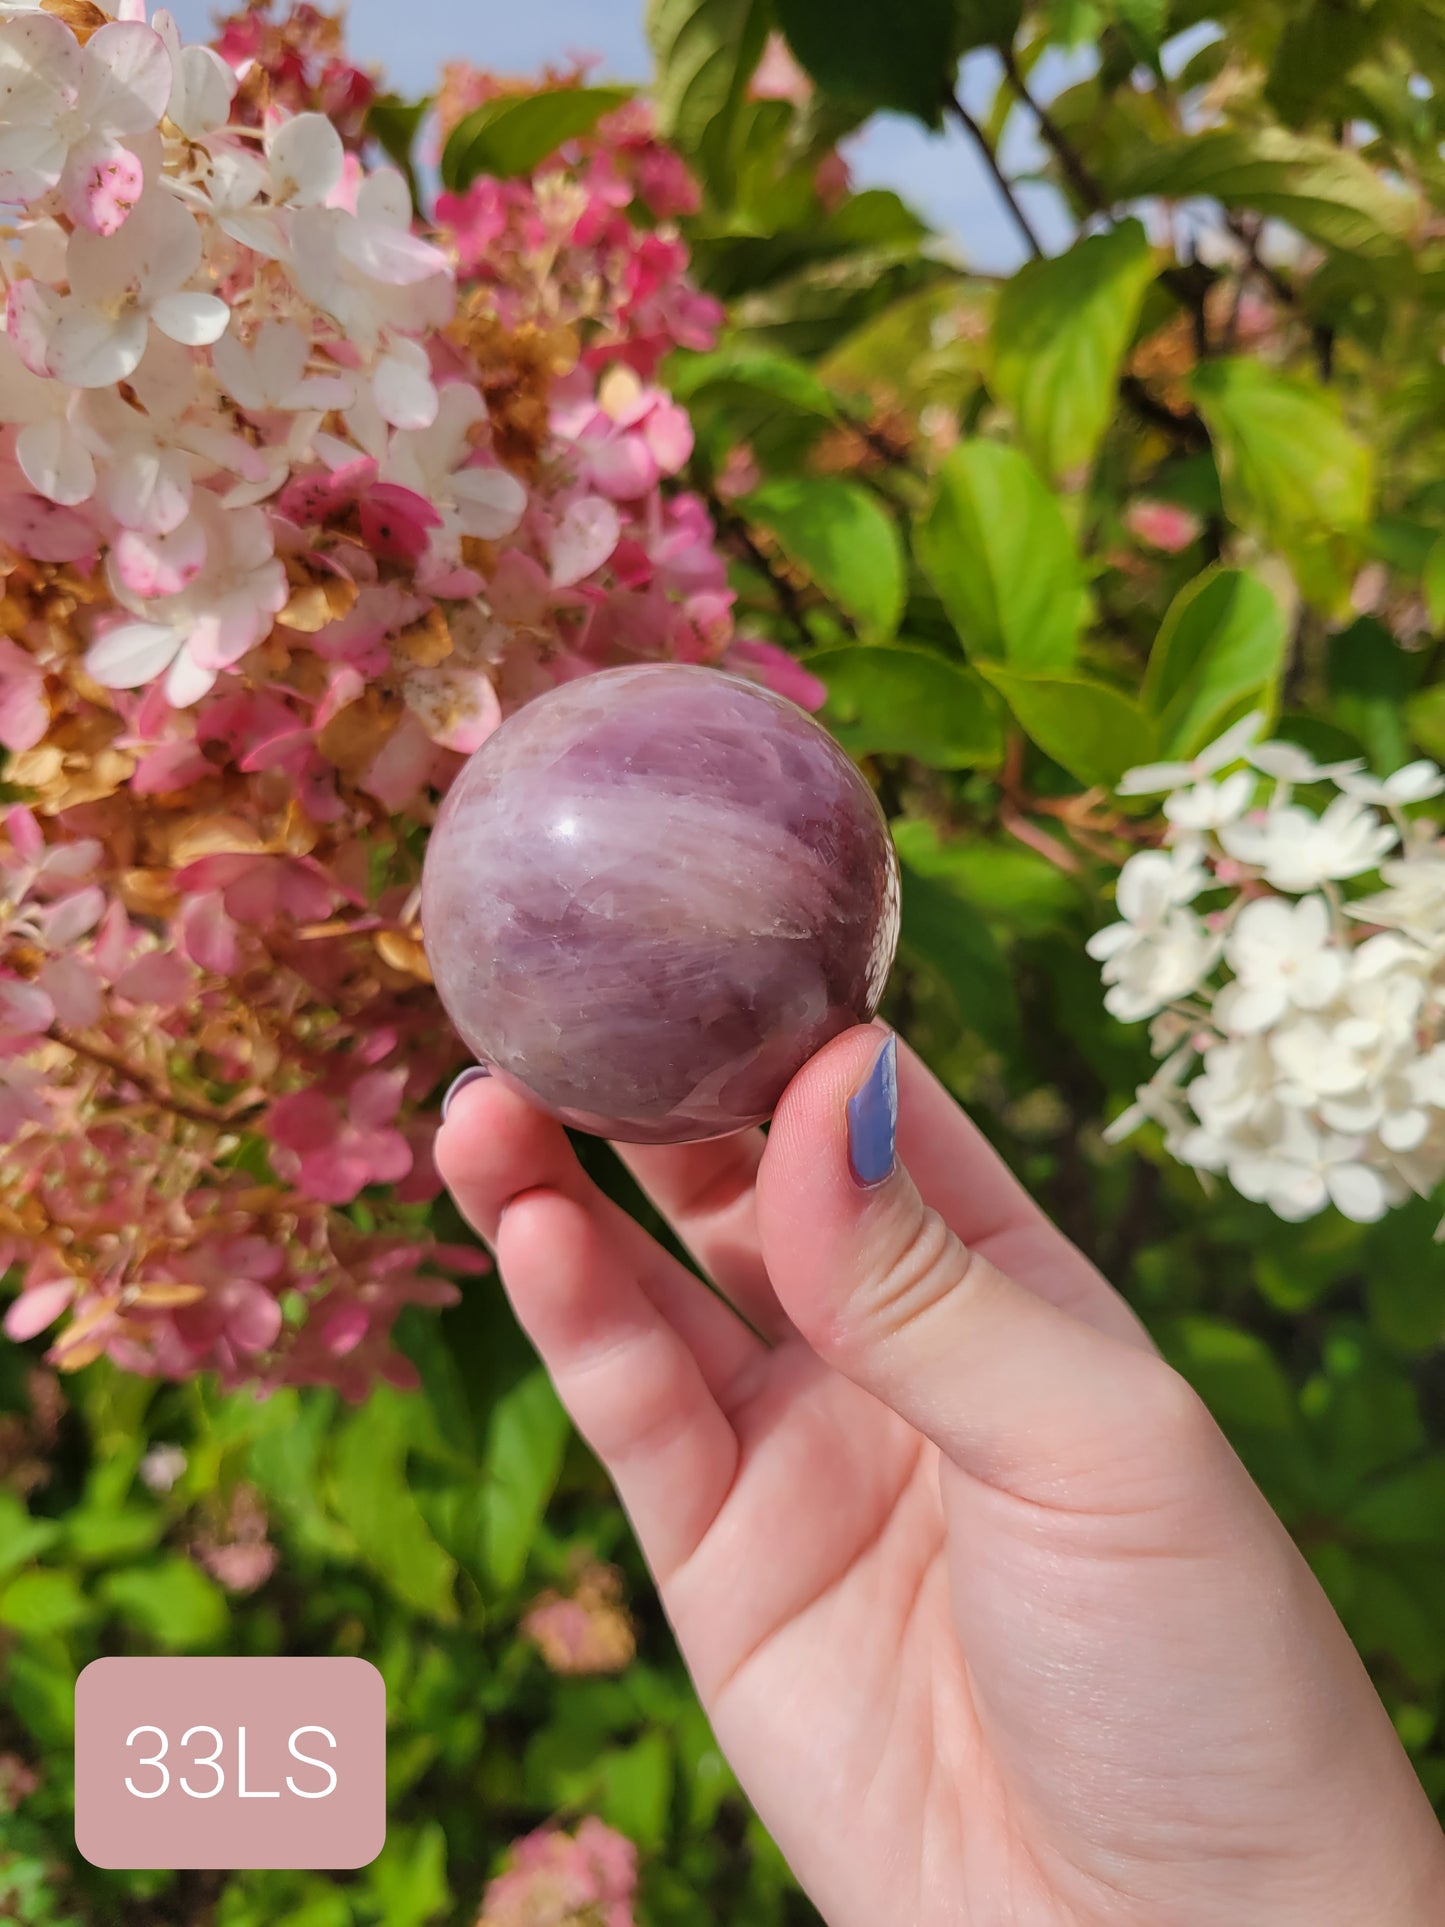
(652, 894)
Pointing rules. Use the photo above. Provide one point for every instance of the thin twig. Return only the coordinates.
(788, 598)
(1005, 186)
(1088, 189)
(1188, 284)
(163, 1100)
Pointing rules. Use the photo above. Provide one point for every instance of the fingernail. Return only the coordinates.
(468, 1076)
(873, 1118)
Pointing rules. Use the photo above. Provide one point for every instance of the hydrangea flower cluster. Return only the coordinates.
(297, 501)
(556, 1879)
(1290, 956)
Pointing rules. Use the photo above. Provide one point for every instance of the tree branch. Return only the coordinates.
(1079, 177)
(1188, 285)
(789, 601)
(1005, 186)
(163, 1100)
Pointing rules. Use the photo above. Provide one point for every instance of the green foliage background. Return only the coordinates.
(994, 642)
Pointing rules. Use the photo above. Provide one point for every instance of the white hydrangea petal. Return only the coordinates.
(127, 78)
(201, 93)
(131, 654)
(1149, 779)
(403, 387)
(1229, 747)
(187, 681)
(280, 353)
(1404, 1130)
(1416, 782)
(1250, 1008)
(149, 488)
(30, 316)
(1357, 1191)
(491, 501)
(90, 349)
(32, 159)
(383, 196)
(194, 319)
(307, 160)
(393, 256)
(56, 462)
(41, 69)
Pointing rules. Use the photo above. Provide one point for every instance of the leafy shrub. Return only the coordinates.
(1017, 537)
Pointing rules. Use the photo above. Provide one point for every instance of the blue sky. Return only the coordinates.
(939, 174)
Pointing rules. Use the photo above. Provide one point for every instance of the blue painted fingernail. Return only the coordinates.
(873, 1119)
(468, 1076)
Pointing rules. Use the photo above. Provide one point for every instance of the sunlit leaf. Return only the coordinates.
(1220, 649)
(836, 530)
(1059, 334)
(516, 132)
(999, 553)
(898, 701)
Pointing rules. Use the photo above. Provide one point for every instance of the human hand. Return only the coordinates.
(991, 1623)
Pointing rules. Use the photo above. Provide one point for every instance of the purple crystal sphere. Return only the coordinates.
(652, 894)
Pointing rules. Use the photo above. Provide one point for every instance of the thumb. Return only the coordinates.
(1010, 1387)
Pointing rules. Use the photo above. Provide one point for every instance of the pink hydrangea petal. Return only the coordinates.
(74, 990)
(583, 539)
(24, 1007)
(207, 934)
(26, 837)
(34, 1310)
(101, 184)
(151, 566)
(24, 712)
(253, 1317)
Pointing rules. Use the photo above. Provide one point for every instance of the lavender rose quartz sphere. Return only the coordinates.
(652, 894)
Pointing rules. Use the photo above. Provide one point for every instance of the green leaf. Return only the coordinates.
(1402, 1286)
(1370, 678)
(997, 549)
(515, 133)
(942, 931)
(1288, 463)
(98, 1535)
(1434, 583)
(526, 1437)
(408, 1879)
(1407, 1510)
(848, 544)
(22, 1537)
(1220, 650)
(773, 377)
(986, 23)
(1060, 332)
(370, 1494)
(172, 1604)
(1016, 889)
(40, 1689)
(43, 1602)
(896, 701)
(895, 57)
(1233, 1371)
(635, 1789)
(1093, 731)
(1425, 720)
(1317, 187)
(1320, 43)
(393, 122)
(705, 52)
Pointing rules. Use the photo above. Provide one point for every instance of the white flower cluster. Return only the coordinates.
(1292, 961)
(197, 314)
